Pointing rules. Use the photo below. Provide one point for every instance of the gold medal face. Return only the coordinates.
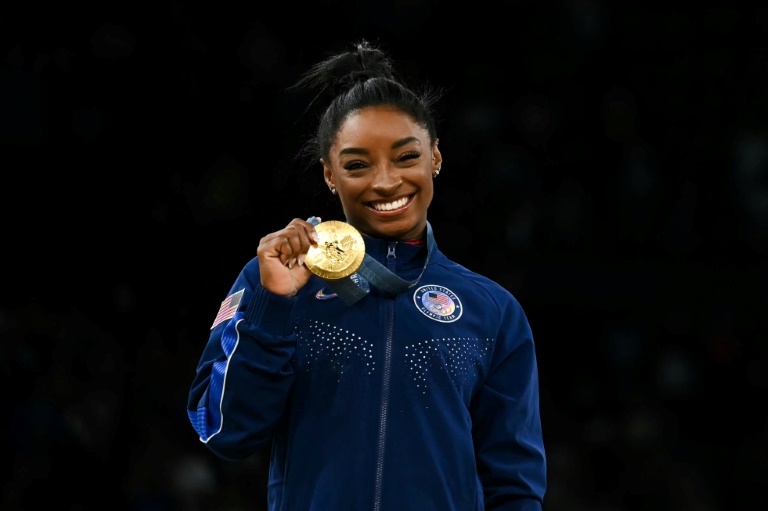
(339, 251)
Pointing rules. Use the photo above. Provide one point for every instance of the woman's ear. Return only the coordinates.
(328, 176)
(437, 158)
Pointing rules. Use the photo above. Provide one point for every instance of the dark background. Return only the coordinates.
(607, 164)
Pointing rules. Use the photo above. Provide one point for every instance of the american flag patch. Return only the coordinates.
(228, 308)
(439, 298)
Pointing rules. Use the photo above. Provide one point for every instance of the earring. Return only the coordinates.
(333, 189)
(436, 172)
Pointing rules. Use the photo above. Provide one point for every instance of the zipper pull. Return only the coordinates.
(391, 250)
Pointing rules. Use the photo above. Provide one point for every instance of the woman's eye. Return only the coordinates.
(354, 165)
(410, 156)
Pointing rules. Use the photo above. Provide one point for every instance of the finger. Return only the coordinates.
(290, 242)
(277, 246)
(294, 248)
(307, 227)
(301, 235)
(297, 241)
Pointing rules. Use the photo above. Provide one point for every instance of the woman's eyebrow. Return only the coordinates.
(406, 140)
(352, 150)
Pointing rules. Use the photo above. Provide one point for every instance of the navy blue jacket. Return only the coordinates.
(425, 400)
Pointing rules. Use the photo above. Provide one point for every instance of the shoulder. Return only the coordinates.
(248, 278)
(481, 286)
(252, 266)
(249, 272)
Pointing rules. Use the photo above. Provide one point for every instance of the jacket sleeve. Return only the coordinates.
(506, 422)
(245, 372)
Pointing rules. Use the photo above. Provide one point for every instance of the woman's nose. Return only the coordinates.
(386, 179)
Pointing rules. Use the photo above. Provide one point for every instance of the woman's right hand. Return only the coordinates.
(281, 257)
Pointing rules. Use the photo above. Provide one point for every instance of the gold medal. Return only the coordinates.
(339, 251)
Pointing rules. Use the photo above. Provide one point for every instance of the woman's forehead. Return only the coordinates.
(379, 124)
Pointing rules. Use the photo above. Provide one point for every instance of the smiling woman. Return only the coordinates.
(383, 393)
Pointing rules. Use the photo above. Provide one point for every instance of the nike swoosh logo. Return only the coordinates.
(322, 295)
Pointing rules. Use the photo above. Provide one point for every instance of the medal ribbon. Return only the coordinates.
(356, 286)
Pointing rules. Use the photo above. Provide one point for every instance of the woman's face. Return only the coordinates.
(381, 164)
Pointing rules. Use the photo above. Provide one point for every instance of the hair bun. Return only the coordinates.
(362, 64)
(352, 77)
(343, 71)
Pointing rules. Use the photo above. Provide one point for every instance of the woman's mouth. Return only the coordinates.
(386, 206)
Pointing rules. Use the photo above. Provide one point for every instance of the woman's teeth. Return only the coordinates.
(389, 206)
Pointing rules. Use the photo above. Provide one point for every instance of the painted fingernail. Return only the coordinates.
(314, 236)
(291, 262)
(301, 260)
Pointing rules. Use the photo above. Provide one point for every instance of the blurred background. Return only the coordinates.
(606, 162)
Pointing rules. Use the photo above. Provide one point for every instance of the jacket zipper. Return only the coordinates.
(385, 384)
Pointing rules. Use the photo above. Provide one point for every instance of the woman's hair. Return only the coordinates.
(356, 79)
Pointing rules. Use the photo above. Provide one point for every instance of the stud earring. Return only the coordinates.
(333, 189)
(436, 172)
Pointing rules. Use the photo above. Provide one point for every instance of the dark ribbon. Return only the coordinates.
(371, 272)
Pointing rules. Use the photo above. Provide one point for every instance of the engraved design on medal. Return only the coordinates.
(339, 251)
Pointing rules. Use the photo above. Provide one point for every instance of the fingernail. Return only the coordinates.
(314, 236)
(291, 263)
(301, 260)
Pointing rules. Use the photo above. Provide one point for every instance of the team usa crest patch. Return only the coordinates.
(438, 303)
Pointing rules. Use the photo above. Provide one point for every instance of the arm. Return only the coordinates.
(506, 423)
(244, 375)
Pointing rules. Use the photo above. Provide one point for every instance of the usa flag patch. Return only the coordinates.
(228, 307)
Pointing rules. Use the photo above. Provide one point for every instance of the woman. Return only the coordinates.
(410, 384)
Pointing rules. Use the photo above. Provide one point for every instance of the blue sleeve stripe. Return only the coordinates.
(197, 418)
(208, 421)
(230, 336)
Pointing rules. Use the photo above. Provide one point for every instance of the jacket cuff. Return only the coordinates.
(270, 311)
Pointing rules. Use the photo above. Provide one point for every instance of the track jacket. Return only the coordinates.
(422, 401)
